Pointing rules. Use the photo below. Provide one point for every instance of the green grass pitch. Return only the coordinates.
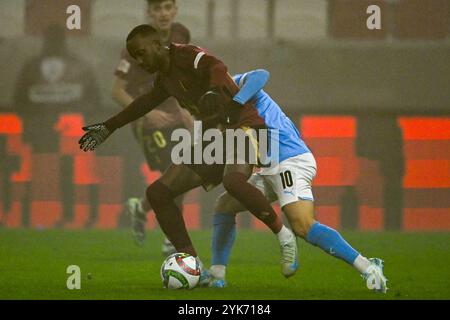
(33, 266)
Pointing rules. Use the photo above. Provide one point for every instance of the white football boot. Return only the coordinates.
(138, 218)
(374, 277)
(217, 276)
(217, 283)
(205, 276)
(289, 256)
(167, 248)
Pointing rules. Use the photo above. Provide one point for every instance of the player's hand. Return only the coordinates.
(214, 107)
(210, 104)
(233, 112)
(211, 109)
(95, 135)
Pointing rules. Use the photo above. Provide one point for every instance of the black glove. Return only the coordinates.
(214, 109)
(233, 112)
(210, 104)
(95, 135)
(211, 109)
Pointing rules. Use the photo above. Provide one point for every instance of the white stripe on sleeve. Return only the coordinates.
(241, 81)
(197, 59)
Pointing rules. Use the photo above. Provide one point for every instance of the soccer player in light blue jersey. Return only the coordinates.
(288, 181)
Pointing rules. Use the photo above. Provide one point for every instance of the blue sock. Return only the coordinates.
(224, 234)
(331, 242)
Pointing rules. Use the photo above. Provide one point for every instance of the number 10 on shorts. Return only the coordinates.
(286, 179)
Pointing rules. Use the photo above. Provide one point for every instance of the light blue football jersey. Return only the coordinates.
(289, 140)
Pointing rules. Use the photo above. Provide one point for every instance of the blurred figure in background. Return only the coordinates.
(154, 130)
(379, 137)
(53, 82)
(8, 165)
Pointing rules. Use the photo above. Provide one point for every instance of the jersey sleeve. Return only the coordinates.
(250, 83)
(139, 107)
(204, 65)
(237, 78)
(126, 62)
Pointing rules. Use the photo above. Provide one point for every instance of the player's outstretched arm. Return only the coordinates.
(250, 83)
(138, 108)
(216, 109)
(96, 134)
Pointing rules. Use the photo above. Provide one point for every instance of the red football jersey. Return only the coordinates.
(192, 72)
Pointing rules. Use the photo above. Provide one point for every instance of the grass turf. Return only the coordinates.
(33, 266)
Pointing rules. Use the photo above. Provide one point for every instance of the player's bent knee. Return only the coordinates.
(158, 195)
(301, 217)
(301, 227)
(300, 232)
(224, 204)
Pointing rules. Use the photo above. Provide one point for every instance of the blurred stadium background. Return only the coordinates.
(374, 106)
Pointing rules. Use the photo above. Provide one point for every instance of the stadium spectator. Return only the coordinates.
(379, 137)
(54, 82)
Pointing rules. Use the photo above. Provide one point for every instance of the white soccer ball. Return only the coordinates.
(180, 271)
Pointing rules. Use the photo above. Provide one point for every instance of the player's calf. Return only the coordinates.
(224, 229)
(301, 217)
(169, 217)
(252, 198)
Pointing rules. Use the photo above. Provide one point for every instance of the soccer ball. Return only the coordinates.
(180, 271)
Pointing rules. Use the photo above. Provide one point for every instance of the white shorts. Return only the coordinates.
(289, 182)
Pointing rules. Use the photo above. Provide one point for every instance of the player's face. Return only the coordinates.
(145, 51)
(162, 14)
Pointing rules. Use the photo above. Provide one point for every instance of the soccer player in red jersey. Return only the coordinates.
(201, 84)
(154, 129)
